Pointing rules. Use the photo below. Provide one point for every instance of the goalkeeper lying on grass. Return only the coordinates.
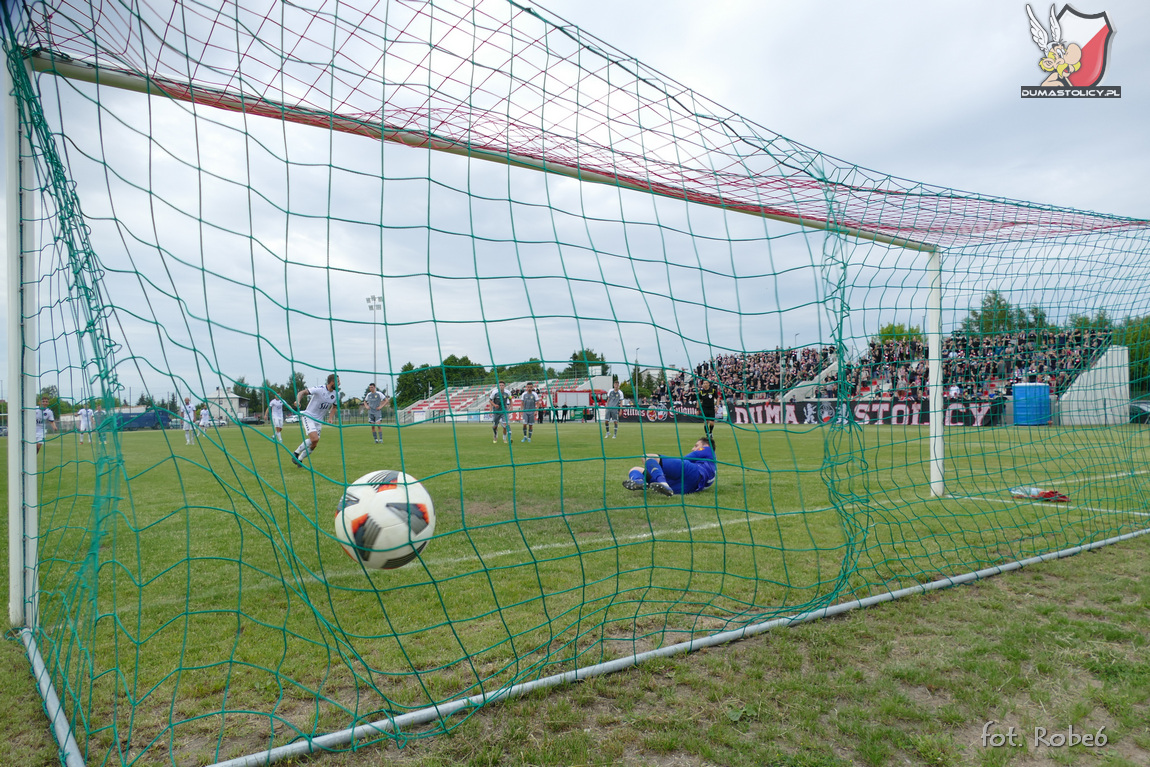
(676, 476)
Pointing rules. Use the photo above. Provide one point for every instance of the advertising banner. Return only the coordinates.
(868, 412)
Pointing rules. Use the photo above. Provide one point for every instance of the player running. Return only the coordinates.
(319, 407)
(44, 416)
(500, 405)
(373, 403)
(205, 418)
(275, 410)
(676, 476)
(530, 403)
(614, 402)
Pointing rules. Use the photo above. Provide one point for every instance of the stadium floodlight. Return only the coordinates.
(374, 303)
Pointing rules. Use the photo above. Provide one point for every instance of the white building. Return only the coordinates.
(226, 405)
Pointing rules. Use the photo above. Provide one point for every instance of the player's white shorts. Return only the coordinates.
(278, 422)
(85, 427)
(188, 425)
(375, 416)
(40, 435)
(310, 425)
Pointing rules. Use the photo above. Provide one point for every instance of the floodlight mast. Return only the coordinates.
(42, 61)
(374, 304)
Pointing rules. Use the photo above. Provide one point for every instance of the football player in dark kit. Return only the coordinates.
(500, 410)
(707, 396)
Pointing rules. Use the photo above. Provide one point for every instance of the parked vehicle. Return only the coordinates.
(151, 419)
(254, 420)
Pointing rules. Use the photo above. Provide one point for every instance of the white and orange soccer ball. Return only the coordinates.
(384, 519)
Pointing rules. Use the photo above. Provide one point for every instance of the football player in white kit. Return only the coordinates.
(188, 416)
(85, 414)
(44, 416)
(276, 410)
(319, 407)
(205, 418)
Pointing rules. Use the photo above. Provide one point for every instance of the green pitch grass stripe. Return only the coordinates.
(430, 563)
(609, 542)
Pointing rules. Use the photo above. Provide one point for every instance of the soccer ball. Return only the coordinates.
(384, 519)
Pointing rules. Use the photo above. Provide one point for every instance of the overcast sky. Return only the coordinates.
(922, 91)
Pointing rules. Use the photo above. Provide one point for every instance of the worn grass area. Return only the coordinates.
(1057, 645)
(911, 682)
(220, 589)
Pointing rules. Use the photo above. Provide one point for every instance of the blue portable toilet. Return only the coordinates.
(1031, 404)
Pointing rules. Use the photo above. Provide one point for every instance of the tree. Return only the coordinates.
(295, 385)
(1100, 321)
(996, 315)
(1134, 333)
(630, 391)
(897, 332)
(582, 364)
(532, 370)
(1036, 319)
(248, 394)
(461, 371)
(412, 383)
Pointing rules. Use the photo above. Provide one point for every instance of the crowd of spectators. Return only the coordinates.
(974, 365)
(756, 375)
(769, 375)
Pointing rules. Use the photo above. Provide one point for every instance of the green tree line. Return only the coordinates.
(415, 383)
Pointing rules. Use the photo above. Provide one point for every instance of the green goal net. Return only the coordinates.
(213, 207)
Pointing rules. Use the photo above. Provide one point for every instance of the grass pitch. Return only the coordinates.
(212, 596)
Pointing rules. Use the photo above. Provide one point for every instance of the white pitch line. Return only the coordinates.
(597, 541)
(339, 574)
(1119, 474)
(431, 563)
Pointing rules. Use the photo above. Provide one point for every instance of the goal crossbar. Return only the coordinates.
(219, 98)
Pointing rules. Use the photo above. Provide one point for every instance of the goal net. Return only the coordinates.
(217, 205)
